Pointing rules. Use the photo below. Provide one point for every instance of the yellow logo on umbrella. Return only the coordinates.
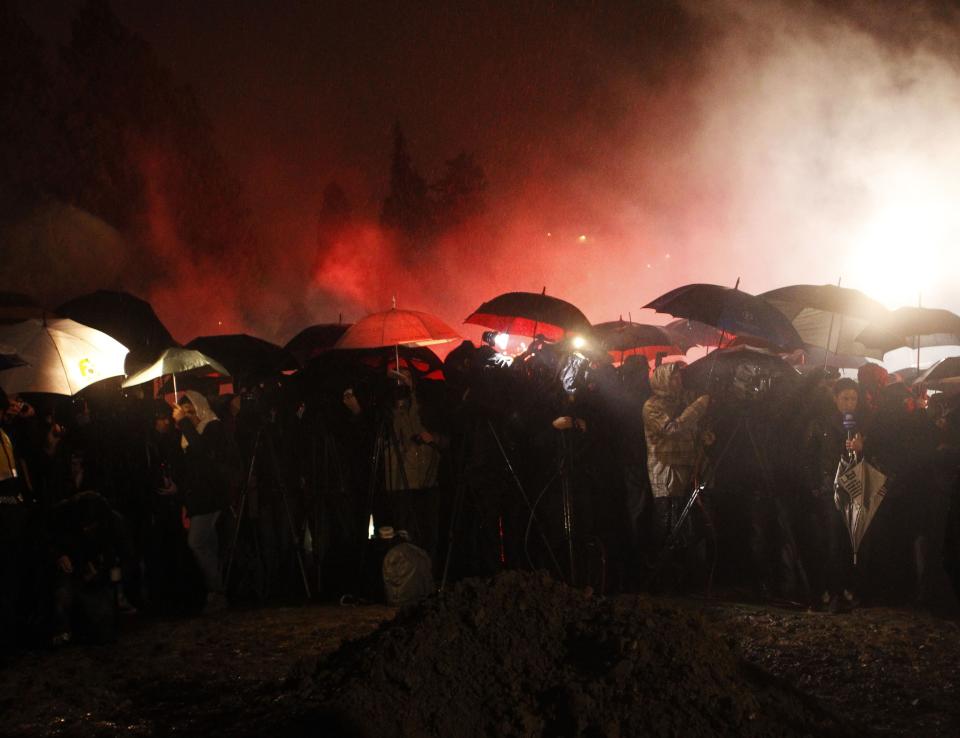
(86, 368)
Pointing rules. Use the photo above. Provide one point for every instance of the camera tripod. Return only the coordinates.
(264, 440)
(744, 427)
(483, 426)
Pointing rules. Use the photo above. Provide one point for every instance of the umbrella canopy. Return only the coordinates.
(530, 314)
(912, 327)
(624, 338)
(731, 310)
(689, 333)
(744, 370)
(245, 356)
(810, 357)
(62, 356)
(172, 361)
(314, 340)
(827, 316)
(127, 318)
(396, 327)
(944, 372)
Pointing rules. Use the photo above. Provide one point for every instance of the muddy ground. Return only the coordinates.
(875, 671)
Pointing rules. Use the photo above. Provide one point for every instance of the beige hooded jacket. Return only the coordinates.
(672, 428)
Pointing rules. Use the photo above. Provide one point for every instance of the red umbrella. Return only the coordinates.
(397, 328)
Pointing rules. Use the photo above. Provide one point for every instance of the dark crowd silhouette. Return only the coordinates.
(716, 478)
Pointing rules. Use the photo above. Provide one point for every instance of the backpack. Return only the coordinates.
(407, 575)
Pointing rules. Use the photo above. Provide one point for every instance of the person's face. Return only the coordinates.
(162, 424)
(676, 382)
(847, 401)
(190, 411)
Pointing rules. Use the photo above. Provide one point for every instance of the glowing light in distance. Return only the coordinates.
(582, 239)
(501, 341)
(907, 246)
(578, 342)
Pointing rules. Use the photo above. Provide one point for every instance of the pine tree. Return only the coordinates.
(407, 207)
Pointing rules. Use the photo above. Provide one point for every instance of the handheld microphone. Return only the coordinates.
(850, 424)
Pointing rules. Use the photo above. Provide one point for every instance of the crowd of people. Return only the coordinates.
(619, 477)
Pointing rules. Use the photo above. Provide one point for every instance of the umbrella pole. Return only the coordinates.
(826, 349)
(174, 378)
(917, 339)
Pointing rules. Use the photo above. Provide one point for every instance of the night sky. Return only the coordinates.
(687, 141)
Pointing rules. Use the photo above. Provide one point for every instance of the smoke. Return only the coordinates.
(628, 150)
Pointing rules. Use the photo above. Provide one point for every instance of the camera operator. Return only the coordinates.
(411, 465)
(673, 426)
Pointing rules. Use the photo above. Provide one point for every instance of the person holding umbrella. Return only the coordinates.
(210, 469)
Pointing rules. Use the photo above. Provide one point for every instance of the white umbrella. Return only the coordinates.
(174, 360)
(62, 356)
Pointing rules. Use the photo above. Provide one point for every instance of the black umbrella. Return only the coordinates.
(626, 338)
(730, 310)
(246, 357)
(689, 333)
(913, 327)
(530, 314)
(314, 340)
(742, 371)
(16, 306)
(124, 317)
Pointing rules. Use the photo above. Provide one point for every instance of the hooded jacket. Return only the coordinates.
(671, 427)
(211, 465)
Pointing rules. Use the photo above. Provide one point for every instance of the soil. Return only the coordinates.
(517, 655)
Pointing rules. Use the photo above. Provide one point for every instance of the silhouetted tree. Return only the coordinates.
(335, 210)
(460, 191)
(407, 208)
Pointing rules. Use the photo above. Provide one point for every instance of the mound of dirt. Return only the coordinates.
(522, 655)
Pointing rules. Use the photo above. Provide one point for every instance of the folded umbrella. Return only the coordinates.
(62, 357)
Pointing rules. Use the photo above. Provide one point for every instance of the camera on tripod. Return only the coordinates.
(751, 383)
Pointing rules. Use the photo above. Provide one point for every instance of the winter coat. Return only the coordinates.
(671, 427)
(211, 463)
(410, 463)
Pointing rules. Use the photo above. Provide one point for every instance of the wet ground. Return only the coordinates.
(878, 671)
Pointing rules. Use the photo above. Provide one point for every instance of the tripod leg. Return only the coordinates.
(241, 510)
(455, 511)
(526, 500)
(286, 507)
